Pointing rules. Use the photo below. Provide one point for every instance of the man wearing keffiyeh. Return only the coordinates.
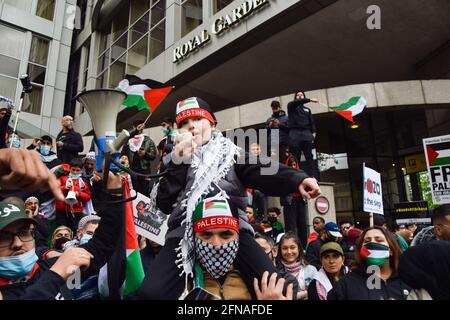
(204, 164)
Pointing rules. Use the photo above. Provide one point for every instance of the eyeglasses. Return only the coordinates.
(7, 238)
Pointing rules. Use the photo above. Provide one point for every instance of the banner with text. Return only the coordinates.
(437, 154)
(373, 196)
(149, 224)
(412, 212)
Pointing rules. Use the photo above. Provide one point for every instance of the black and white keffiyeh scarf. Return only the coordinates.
(217, 260)
(210, 164)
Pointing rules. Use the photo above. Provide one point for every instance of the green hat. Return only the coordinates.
(10, 213)
(331, 246)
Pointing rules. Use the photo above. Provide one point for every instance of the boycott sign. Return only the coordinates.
(412, 212)
(149, 223)
(437, 153)
(373, 197)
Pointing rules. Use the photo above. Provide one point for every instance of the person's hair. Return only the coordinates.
(439, 213)
(168, 121)
(62, 228)
(274, 209)
(346, 220)
(320, 218)
(135, 123)
(290, 235)
(76, 163)
(268, 239)
(295, 94)
(47, 138)
(393, 246)
(378, 220)
(94, 222)
(275, 104)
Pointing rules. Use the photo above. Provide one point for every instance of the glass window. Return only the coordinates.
(157, 40)
(9, 66)
(102, 80)
(45, 9)
(138, 8)
(103, 61)
(192, 15)
(32, 101)
(220, 4)
(158, 12)
(105, 41)
(36, 73)
(120, 22)
(12, 42)
(8, 87)
(139, 29)
(137, 56)
(24, 5)
(39, 50)
(117, 72)
(119, 47)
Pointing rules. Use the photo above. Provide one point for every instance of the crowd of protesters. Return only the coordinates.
(221, 237)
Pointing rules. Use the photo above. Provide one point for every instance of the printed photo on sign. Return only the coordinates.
(437, 153)
(151, 224)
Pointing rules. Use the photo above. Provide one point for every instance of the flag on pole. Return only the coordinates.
(124, 273)
(351, 108)
(145, 94)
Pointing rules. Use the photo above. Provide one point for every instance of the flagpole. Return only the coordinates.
(371, 219)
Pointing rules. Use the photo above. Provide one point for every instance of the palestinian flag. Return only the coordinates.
(143, 94)
(438, 154)
(124, 273)
(374, 253)
(351, 108)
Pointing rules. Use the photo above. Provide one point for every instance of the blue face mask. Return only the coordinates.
(165, 131)
(45, 150)
(85, 238)
(15, 267)
(74, 176)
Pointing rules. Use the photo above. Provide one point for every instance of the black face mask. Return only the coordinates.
(60, 242)
(272, 219)
(276, 114)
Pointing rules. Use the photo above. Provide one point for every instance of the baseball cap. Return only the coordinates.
(331, 246)
(10, 213)
(333, 229)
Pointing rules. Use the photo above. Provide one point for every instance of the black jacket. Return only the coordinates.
(48, 285)
(312, 254)
(173, 187)
(427, 266)
(73, 144)
(300, 117)
(353, 286)
(137, 163)
(283, 128)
